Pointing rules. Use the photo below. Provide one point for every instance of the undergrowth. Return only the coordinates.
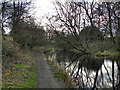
(19, 67)
(61, 74)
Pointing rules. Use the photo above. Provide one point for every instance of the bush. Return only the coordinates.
(11, 53)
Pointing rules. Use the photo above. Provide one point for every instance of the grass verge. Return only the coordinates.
(61, 74)
(20, 76)
(108, 54)
(19, 68)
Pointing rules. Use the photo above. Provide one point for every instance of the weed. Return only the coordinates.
(19, 68)
(61, 74)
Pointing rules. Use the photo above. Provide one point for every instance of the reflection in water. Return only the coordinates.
(86, 71)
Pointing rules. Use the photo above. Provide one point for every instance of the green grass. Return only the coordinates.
(61, 74)
(19, 68)
(108, 54)
(21, 78)
(22, 66)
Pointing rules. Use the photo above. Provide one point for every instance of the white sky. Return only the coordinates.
(43, 7)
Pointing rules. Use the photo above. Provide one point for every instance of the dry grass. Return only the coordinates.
(19, 68)
(61, 74)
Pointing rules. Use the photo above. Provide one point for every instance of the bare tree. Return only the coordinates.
(13, 12)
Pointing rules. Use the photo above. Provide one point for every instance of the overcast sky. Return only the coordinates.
(43, 7)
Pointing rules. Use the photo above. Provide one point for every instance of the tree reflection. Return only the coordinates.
(87, 71)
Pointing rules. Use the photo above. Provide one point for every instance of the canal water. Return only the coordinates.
(86, 70)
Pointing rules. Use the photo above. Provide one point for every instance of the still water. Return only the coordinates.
(87, 71)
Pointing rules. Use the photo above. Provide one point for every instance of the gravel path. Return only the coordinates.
(45, 78)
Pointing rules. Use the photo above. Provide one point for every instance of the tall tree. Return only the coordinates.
(13, 13)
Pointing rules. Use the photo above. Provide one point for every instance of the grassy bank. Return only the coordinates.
(61, 74)
(19, 67)
(108, 54)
